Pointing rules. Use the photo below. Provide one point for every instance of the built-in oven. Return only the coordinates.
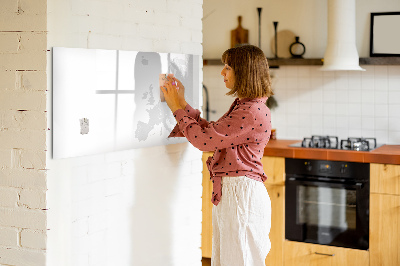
(327, 202)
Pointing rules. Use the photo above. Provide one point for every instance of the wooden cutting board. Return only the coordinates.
(239, 35)
(285, 39)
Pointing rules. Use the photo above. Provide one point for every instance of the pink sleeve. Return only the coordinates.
(193, 113)
(238, 128)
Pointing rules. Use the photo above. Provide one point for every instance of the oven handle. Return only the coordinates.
(325, 254)
(303, 181)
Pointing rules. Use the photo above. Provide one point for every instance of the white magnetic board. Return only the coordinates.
(109, 100)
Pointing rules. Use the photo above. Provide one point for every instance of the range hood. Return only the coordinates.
(341, 52)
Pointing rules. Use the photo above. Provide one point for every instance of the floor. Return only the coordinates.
(206, 262)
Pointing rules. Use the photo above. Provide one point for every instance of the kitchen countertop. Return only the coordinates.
(386, 154)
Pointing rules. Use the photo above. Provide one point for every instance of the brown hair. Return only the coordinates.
(251, 70)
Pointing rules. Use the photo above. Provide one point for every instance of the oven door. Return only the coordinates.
(327, 212)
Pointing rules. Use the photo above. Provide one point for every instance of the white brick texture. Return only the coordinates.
(117, 208)
(23, 125)
(23, 178)
(23, 257)
(8, 197)
(23, 15)
(23, 218)
(8, 237)
(14, 119)
(33, 199)
(34, 239)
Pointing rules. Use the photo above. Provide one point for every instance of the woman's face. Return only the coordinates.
(229, 76)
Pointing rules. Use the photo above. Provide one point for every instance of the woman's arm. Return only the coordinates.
(238, 128)
(174, 93)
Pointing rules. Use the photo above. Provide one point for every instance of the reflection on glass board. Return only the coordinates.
(118, 91)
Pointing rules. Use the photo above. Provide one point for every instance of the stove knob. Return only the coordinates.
(343, 169)
(308, 166)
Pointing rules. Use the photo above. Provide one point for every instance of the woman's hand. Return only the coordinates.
(181, 92)
(171, 95)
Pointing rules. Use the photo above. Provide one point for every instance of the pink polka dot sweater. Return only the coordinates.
(238, 139)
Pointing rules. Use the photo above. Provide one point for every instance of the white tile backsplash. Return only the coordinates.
(367, 83)
(312, 102)
(381, 84)
(381, 72)
(342, 122)
(291, 71)
(355, 96)
(394, 110)
(394, 72)
(367, 96)
(394, 97)
(367, 109)
(381, 97)
(342, 82)
(304, 82)
(354, 109)
(382, 123)
(381, 111)
(394, 83)
(342, 109)
(304, 72)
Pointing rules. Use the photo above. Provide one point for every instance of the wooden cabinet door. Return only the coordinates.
(206, 234)
(274, 168)
(277, 233)
(304, 254)
(385, 178)
(384, 230)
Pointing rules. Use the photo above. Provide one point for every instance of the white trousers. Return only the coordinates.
(241, 223)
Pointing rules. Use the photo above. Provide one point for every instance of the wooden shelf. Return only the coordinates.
(273, 62)
(380, 61)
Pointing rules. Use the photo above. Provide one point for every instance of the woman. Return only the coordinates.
(242, 209)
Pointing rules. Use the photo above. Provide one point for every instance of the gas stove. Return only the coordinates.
(332, 142)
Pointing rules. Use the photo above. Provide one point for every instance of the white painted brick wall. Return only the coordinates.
(33, 199)
(8, 197)
(23, 218)
(35, 239)
(135, 207)
(23, 178)
(9, 237)
(23, 125)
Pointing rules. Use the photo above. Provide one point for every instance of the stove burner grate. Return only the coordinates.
(358, 144)
(332, 142)
(327, 142)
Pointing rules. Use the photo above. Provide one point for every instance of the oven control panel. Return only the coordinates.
(338, 169)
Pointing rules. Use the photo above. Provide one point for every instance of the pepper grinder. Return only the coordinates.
(276, 39)
(259, 26)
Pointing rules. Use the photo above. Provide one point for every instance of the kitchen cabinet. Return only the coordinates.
(385, 178)
(206, 234)
(277, 234)
(274, 168)
(305, 254)
(385, 214)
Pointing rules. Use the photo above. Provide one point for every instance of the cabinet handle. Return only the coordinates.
(325, 254)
